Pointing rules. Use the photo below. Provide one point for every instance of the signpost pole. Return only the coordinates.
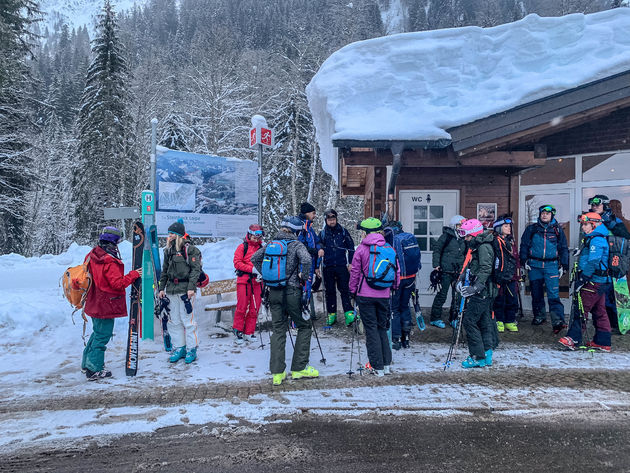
(148, 219)
(260, 185)
(152, 184)
(260, 135)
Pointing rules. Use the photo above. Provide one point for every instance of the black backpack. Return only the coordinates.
(504, 267)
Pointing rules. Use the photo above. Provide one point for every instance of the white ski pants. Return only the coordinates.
(181, 325)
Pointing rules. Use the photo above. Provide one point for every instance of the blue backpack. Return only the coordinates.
(408, 252)
(274, 264)
(381, 267)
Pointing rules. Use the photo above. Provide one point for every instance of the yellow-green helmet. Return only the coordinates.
(370, 225)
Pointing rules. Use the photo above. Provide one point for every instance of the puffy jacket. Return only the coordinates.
(180, 274)
(449, 251)
(510, 244)
(298, 259)
(543, 245)
(615, 224)
(360, 265)
(481, 263)
(106, 298)
(242, 260)
(338, 245)
(593, 260)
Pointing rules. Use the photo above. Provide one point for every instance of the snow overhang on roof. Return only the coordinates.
(412, 87)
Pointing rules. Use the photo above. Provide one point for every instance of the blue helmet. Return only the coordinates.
(293, 223)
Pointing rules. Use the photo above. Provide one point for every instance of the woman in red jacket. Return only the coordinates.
(105, 300)
(248, 288)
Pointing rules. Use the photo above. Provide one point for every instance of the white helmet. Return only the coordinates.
(457, 219)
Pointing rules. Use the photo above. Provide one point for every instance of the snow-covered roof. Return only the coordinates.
(415, 86)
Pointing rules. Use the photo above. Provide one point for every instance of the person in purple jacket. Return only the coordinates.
(374, 303)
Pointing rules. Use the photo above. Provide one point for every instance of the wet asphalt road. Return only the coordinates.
(587, 441)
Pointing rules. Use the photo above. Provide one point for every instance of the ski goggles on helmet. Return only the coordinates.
(547, 208)
(503, 221)
(257, 233)
(590, 217)
(597, 200)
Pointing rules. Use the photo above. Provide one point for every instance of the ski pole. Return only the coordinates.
(323, 360)
(251, 284)
(350, 372)
(457, 329)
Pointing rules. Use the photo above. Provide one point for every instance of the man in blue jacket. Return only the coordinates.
(338, 252)
(544, 253)
(311, 241)
(600, 204)
(592, 283)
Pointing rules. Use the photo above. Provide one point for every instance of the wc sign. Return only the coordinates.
(260, 135)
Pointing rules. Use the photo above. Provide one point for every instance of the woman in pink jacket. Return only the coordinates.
(372, 296)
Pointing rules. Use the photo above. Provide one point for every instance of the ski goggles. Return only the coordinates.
(585, 219)
(256, 233)
(503, 221)
(547, 208)
(597, 201)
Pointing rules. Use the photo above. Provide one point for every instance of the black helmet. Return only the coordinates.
(293, 223)
(330, 213)
(599, 199)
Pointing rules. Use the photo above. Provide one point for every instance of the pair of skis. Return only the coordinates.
(135, 308)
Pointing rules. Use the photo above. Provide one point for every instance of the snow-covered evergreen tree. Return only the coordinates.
(107, 156)
(16, 175)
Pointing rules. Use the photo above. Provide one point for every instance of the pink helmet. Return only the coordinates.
(472, 227)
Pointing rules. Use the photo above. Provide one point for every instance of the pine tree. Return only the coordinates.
(107, 155)
(16, 175)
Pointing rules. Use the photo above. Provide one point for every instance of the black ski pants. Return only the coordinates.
(340, 277)
(374, 312)
(448, 282)
(477, 321)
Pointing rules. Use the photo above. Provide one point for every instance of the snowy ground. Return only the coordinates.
(41, 352)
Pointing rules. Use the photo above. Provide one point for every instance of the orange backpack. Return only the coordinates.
(76, 282)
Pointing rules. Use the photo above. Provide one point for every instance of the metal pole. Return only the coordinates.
(153, 181)
(260, 184)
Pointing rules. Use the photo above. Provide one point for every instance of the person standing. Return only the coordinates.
(373, 302)
(248, 286)
(480, 291)
(544, 253)
(106, 299)
(600, 204)
(311, 241)
(448, 256)
(180, 272)
(506, 270)
(285, 300)
(592, 284)
(338, 248)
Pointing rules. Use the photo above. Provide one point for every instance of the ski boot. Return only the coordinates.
(511, 327)
(568, 342)
(387, 370)
(250, 338)
(331, 318)
(308, 372)
(488, 357)
(404, 339)
(239, 337)
(500, 327)
(470, 362)
(191, 356)
(278, 378)
(604, 348)
(349, 316)
(96, 375)
(438, 323)
(539, 320)
(178, 354)
(396, 345)
(559, 328)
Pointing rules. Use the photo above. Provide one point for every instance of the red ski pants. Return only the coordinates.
(248, 301)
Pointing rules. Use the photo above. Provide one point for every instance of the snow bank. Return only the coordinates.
(414, 86)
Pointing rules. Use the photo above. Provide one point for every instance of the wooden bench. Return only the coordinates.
(219, 289)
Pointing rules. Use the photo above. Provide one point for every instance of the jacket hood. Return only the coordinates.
(550, 224)
(99, 255)
(450, 231)
(285, 236)
(373, 239)
(600, 230)
(486, 237)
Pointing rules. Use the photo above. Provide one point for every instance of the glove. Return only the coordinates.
(467, 291)
(255, 271)
(577, 252)
(580, 281)
(459, 287)
(560, 271)
(528, 267)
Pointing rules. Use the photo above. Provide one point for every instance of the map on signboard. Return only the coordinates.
(177, 196)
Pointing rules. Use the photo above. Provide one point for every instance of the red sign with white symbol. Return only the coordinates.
(260, 136)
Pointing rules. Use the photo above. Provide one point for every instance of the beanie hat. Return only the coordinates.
(177, 228)
(370, 225)
(305, 208)
(295, 224)
(111, 234)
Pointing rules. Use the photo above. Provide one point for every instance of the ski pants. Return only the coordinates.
(94, 351)
(340, 277)
(401, 314)
(286, 303)
(448, 282)
(594, 301)
(182, 325)
(478, 323)
(541, 279)
(248, 299)
(611, 307)
(374, 312)
(506, 303)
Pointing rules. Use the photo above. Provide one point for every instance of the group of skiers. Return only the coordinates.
(376, 281)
